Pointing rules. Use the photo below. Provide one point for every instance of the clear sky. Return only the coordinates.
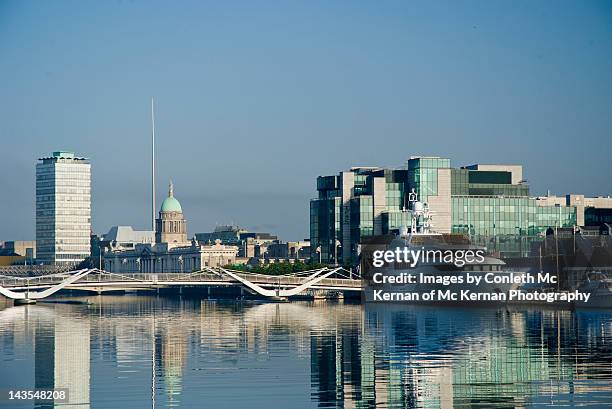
(256, 99)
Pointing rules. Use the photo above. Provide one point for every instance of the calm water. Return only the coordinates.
(140, 351)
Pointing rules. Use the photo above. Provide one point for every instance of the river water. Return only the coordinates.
(137, 351)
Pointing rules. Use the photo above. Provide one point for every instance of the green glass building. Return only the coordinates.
(489, 203)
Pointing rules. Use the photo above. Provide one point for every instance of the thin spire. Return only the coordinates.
(152, 165)
(171, 189)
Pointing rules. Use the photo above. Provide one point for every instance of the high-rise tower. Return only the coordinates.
(63, 209)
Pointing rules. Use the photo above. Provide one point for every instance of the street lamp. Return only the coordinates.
(138, 264)
(180, 259)
(100, 256)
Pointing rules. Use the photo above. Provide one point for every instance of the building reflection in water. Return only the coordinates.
(60, 349)
(170, 355)
(424, 357)
(352, 356)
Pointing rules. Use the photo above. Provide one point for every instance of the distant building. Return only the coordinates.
(17, 252)
(24, 248)
(250, 244)
(171, 252)
(594, 216)
(126, 238)
(291, 250)
(63, 209)
(228, 234)
(592, 211)
(119, 238)
(259, 238)
(489, 203)
(255, 244)
(249, 248)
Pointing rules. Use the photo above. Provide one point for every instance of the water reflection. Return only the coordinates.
(136, 351)
(62, 355)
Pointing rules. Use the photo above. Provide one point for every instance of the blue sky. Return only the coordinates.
(256, 99)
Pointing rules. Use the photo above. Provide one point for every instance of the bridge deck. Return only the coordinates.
(97, 280)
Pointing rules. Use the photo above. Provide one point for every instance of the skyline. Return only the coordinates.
(170, 184)
(253, 102)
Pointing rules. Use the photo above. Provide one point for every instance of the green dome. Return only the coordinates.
(170, 204)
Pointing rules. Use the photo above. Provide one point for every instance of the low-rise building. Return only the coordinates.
(125, 238)
(163, 258)
(250, 244)
(17, 252)
(24, 248)
(290, 250)
(228, 234)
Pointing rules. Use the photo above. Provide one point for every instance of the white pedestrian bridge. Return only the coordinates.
(321, 280)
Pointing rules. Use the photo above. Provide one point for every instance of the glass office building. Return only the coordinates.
(63, 209)
(423, 176)
(359, 203)
(489, 203)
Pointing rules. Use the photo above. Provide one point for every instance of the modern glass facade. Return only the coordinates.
(396, 187)
(507, 224)
(496, 215)
(325, 227)
(362, 217)
(63, 209)
(423, 176)
(489, 203)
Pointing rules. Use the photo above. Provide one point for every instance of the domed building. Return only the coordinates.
(171, 226)
(172, 252)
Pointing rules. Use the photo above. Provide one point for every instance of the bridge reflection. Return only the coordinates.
(118, 348)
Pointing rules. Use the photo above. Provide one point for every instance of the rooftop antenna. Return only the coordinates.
(152, 165)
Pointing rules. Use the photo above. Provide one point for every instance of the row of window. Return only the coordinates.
(435, 163)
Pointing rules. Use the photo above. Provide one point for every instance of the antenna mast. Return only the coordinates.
(152, 165)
